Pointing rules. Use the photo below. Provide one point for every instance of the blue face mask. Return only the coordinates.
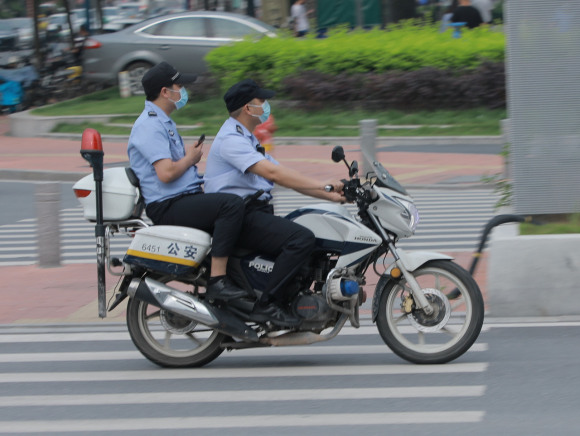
(266, 108)
(183, 100)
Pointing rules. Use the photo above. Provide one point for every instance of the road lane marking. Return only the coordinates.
(245, 421)
(243, 396)
(243, 372)
(256, 352)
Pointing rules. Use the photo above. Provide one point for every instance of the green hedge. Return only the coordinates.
(407, 47)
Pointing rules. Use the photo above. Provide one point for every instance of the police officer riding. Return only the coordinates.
(169, 180)
(237, 164)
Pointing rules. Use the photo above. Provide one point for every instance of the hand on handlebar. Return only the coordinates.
(335, 191)
(334, 186)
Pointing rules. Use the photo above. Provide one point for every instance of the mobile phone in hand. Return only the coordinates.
(200, 140)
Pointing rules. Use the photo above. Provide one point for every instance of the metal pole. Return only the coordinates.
(358, 14)
(506, 139)
(368, 140)
(48, 226)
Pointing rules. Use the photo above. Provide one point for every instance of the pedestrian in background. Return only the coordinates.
(465, 13)
(299, 16)
(447, 15)
(484, 8)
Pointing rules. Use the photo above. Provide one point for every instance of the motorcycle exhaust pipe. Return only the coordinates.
(165, 297)
(305, 338)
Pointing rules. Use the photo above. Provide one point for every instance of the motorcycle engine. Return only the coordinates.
(312, 308)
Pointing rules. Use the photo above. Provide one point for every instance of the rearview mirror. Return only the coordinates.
(337, 153)
(353, 170)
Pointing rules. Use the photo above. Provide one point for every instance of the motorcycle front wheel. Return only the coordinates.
(445, 334)
(171, 340)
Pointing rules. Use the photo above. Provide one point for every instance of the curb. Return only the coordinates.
(56, 176)
(381, 141)
(23, 124)
(40, 176)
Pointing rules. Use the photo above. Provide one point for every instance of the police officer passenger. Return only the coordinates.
(238, 164)
(169, 181)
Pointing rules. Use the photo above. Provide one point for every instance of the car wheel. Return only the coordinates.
(136, 72)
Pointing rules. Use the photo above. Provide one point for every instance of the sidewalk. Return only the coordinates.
(67, 294)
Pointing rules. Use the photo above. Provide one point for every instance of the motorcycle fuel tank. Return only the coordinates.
(168, 249)
(337, 231)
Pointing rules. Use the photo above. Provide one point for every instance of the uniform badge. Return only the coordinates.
(171, 133)
(239, 129)
(152, 113)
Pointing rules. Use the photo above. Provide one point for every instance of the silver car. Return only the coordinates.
(182, 40)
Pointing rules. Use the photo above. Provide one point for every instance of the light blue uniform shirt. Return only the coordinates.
(154, 137)
(234, 151)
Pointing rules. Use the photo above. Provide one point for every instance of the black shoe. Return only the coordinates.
(224, 290)
(275, 314)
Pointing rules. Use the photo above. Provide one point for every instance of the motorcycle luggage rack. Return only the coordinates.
(128, 228)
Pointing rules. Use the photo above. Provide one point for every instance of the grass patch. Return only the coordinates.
(103, 102)
(101, 128)
(552, 225)
(210, 115)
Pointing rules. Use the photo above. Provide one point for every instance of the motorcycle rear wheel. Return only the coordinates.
(449, 331)
(171, 340)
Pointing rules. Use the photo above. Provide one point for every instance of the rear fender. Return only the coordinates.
(411, 261)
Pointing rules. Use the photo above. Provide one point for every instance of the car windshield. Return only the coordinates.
(18, 23)
(224, 28)
(57, 19)
(129, 10)
(261, 24)
(184, 27)
(6, 25)
(109, 12)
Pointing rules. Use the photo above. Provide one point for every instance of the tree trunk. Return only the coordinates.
(251, 9)
(37, 51)
(403, 9)
(100, 14)
(71, 35)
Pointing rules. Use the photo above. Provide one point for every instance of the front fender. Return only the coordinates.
(411, 261)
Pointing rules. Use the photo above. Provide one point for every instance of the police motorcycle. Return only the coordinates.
(427, 308)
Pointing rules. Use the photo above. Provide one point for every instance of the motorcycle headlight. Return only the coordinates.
(413, 213)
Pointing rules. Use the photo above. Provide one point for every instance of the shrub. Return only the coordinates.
(405, 47)
(427, 88)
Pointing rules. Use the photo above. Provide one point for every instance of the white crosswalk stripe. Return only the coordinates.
(451, 220)
(55, 388)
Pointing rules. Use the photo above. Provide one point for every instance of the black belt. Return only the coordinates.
(252, 203)
(253, 198)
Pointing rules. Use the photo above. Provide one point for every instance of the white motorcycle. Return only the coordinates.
(427, 308)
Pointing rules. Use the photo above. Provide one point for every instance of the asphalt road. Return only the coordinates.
(518, 379)
(18, 199)
(455, 147)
